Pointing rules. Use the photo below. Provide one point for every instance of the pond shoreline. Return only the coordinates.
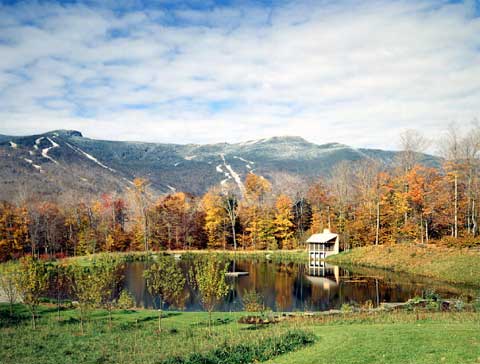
(287, 281)
(458, 266)
(287, 256)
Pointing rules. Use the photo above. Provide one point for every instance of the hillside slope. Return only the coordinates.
(64, 160)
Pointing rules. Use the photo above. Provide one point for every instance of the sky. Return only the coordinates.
(353, 72)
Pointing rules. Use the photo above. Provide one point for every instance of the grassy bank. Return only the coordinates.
(276, 256)
(383, 337)
(449, 265)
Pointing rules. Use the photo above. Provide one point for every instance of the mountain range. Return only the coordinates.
(64, 160)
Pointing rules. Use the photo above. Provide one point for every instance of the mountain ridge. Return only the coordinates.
(273, 139)
(65, 160)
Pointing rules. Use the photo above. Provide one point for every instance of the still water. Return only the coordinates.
(293, 286)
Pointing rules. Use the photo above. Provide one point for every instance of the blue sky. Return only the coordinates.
(355, 72)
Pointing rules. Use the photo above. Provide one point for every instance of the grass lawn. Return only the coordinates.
(133, 338)
(446, 264)
(352, 338)
(402, 343)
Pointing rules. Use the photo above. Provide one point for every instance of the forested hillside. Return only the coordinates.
(362, 201)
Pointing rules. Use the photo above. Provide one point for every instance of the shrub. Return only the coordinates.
(253, 301)
(258, 320)
(414, 303)
(248, 353)
(431, 295)
(459, 305)
(126, 301)
(461, 242)
(346, 308)
(272, 245)
(416, 299)
(216, 322)
(433, 306)
(368, 305)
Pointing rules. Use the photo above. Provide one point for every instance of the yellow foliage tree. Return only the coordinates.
(13, 230)
(283, 222)
(215, 219)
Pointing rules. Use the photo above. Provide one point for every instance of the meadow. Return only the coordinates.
(347, 337)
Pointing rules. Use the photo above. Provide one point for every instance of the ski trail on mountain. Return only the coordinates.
(91, 157)
(37, 143)
(244, 160)
(46, 150)
(234, 174)
(29, 161)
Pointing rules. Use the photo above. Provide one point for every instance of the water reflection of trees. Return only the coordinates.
(136, 284)
(284, 282)
(290, 287)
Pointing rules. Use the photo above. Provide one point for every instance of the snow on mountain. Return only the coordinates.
(96, 166)
(234, 174)
(243, 159)
(46, 150)
(91, 157)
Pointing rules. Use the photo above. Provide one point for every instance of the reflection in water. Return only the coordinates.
(299, 287)
(324, 280)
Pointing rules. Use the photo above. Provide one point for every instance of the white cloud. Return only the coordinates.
(352, 72)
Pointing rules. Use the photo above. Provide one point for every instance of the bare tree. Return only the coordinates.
(342, 187)
(288, 184)
(230, 205)
(412, 144)
(368, 185)
(469, 154)
(450, 150)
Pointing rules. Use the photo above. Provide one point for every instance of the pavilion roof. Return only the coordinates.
(322, 238)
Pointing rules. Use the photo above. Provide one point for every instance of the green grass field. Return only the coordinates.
(419, 343)
(133, 337)
(387, 337)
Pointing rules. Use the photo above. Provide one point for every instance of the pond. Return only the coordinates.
(298, 287)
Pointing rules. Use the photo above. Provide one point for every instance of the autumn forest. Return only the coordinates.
(365, 202)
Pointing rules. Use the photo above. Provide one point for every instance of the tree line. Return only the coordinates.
(366, 202)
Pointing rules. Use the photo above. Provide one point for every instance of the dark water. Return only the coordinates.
(293, 286)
